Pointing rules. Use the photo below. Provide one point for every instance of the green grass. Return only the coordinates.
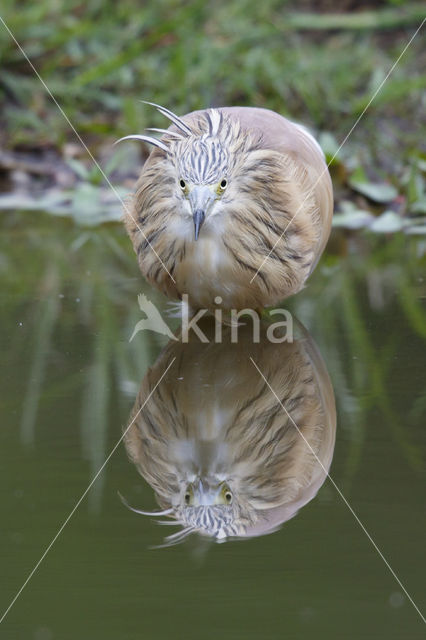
(101, 58)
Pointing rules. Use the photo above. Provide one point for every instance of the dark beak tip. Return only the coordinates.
(199, 216)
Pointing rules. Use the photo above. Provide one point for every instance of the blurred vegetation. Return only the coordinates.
(101, 58)
(367, 312)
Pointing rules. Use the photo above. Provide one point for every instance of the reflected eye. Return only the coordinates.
(182, 184)
(189, 495)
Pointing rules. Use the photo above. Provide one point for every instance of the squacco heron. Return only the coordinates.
(223, 455)
(233, 208)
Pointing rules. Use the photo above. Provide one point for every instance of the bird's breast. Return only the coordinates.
(206, 271)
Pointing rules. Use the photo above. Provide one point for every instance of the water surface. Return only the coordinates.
(70, 378)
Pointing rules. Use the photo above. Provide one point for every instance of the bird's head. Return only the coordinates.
(209, 508)
(202, 174)
(202, 493)
(206, 506)
(194, 170)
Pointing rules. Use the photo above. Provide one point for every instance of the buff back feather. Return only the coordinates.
(213, 418)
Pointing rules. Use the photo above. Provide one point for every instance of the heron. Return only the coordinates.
(225, 456)
(233, 207)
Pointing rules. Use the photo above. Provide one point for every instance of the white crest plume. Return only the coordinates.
(178, 122)
(148, 139)
(165, 512)
(216, 120)
(172, 117)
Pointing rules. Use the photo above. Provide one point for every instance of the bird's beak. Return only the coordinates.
(198, 216)
(205, 493)
(201, 199)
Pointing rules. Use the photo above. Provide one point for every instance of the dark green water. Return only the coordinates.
(70, 377)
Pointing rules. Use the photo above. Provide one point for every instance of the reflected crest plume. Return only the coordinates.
(223, 457)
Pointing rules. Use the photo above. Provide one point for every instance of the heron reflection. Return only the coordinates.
(230, 452)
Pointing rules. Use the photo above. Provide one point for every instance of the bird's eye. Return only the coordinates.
(189, 495)
(226, 494)
(182, 184)
(224, 184)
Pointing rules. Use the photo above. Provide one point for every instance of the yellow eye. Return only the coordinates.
(189, 495)
(226, 494)
(222, 186)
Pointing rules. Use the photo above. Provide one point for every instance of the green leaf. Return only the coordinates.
(79, 168)
(355, 219)
(330, 146)
(416, 227)
(419, 206)
(388, 222)
(377, 191)
(416, 185)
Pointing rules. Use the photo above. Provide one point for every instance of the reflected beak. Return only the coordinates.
(201, 199)
(205, 494)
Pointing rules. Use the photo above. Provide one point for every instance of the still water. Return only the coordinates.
(298, 563)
